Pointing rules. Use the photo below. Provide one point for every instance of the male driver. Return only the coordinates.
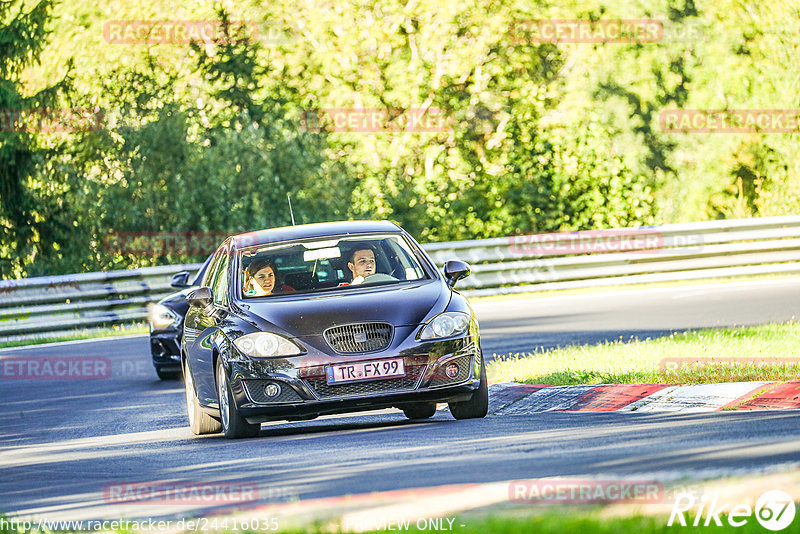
(362, 264)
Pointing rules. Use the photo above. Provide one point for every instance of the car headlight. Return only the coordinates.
(445, 325)
(266, 345)
(161, 317)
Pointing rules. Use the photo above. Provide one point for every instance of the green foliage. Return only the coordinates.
(540, 137)
(498, 171)
(166, 165)
(25, 224)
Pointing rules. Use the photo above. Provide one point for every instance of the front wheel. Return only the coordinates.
(199, 421)
(478, 405)
(233, 425)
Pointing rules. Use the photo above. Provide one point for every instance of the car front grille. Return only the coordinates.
(255, 390)
(440, 379)
(358, 338)
(368, 387)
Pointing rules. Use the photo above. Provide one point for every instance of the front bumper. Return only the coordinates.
(311, 409)
(305, 393)
(165, 349)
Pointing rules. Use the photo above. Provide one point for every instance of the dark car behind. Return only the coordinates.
(166, 324)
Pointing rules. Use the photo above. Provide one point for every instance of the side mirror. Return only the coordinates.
(180, 280)
(200, 297)
(455, 270)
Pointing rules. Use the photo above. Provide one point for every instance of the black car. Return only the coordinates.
(166, 324)
(292, 323)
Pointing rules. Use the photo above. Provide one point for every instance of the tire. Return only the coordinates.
(167, 375)
(199, 421)
(478, 406)
(234, 426)
(421, 410)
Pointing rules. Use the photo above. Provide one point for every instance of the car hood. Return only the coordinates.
(299, 315)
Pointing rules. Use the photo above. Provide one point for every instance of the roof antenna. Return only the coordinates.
(289, 198)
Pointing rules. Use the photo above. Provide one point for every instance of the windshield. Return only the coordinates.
(327, 264)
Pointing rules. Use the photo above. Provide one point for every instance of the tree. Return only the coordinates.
(498, 168)
(214, 147)
(26, 223)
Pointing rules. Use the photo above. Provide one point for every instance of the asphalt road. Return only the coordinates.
(62, 443)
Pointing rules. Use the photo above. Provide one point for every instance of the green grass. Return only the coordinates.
(85, 333)
(689, 358)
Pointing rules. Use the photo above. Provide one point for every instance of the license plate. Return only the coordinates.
(353, 372)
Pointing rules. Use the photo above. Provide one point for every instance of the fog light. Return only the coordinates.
(451, 370)
(272, 390)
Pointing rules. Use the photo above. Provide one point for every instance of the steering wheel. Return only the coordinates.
(379, 277)
(398, 272)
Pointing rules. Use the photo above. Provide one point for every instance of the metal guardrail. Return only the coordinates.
(51, 305)
(687, 251)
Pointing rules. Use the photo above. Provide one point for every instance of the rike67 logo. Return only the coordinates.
(774, 510)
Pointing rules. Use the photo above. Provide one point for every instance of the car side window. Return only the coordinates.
(220, 287)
